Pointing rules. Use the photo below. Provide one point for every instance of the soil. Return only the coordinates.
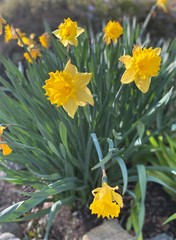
(74, 223)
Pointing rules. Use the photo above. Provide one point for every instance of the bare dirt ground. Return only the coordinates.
(74, 223)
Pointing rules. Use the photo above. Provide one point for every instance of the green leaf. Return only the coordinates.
(54, 209)
(164, 100)
(124, 172)
(63, 134)
(140, 129)
(157, 180)
(171, 218)
(142, 181)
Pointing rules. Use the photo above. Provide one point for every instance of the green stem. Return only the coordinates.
(100, 156)
(147, 20)
(26, 49)
(118, 93)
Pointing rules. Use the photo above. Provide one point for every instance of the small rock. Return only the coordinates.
(8, 236)
(162, 236)
(13, 228)
(109, 230)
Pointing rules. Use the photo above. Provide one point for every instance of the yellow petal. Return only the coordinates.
(6, 150)
(64, 42)
(56, 33)
(96, 190)
(107, 39)
(143, 84)
(73, 42)
(82, 79)
(71, 69)
(70, 107)
(128, 76)
(85, 96)
(157, 51)
(126, 60)
(118, 198)
(2, 129)
(79, 31)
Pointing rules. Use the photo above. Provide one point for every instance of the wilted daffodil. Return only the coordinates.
(68, 88)
(45, 40)
(113, 30)
(162, 4)
(68, 32)
(107, 202)
(33, 54)
(6, 150)
(2, 22)
(141, 67)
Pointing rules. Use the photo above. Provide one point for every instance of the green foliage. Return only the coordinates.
(55, 153)
(164, 154)
(171, 218)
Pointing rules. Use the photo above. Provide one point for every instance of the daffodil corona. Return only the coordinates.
(68, 32)
(141, 67)
(113, 30)
(6, 150)
(107, 202)
(68, 88)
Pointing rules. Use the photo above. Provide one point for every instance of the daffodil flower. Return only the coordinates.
(33, 54)
(6, 150)
(8, 33)
(113, 30)
(162, 4)
(68, 88)
(141, 67)
(107, 202)
(45, 40)
(68, 32)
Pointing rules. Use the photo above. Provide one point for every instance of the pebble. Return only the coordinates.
(13, 228)
(109, 230)
(8, 236)
(162, 236)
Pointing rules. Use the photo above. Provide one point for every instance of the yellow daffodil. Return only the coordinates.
(144, 64)
(6, 150)
(28, 41)
(162, 4)
(8, 33)
(45, 40)
(12, 33)
(113, 30)
(2, 22)
(68, 32)
(68, 88)
(34, 53)
(107, 202)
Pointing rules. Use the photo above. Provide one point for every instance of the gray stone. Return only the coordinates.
(162, 236)
(109, 230)
(8, 236)
(13, 228)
